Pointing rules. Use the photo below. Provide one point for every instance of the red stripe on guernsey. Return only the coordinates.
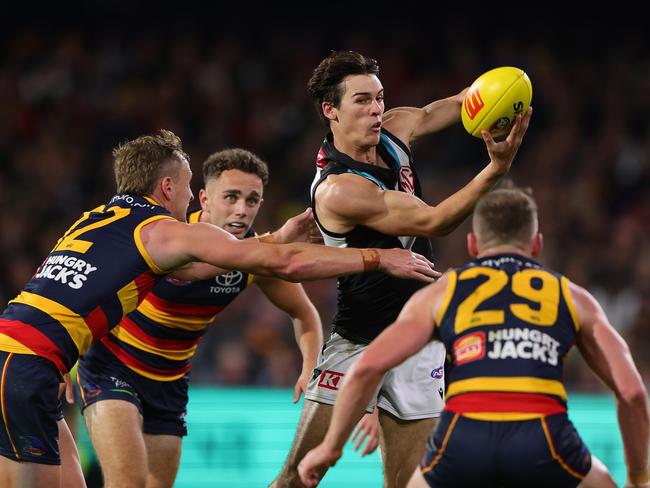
(183, 309)
(129, 360)
(504, 402)
(35, 340)
(97, 323)
(171, 344)
(145, 283)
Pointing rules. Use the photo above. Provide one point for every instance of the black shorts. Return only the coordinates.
(30, 408)
(162, 404)
(532, 453)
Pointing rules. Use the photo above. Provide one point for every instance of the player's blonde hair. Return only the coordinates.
(506, 216)
(140, 163)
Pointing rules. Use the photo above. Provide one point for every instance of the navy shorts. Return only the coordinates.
(30, 408)
(532, 453)
(162, 404)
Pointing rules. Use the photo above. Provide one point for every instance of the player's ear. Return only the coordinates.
(538, 244)
(329, 110)
(472, 245)
(203, 198)
(167, 187)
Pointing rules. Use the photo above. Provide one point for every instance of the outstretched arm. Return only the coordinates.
(609, 357)
(172, 244)
(411, 123)
(344, 201)
(406, 336)
(292, 299)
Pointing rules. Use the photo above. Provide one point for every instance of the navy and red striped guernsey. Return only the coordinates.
(507, 324)
(158, 339)
(98, 272)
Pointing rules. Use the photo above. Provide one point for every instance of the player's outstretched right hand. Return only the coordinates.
(403, 263)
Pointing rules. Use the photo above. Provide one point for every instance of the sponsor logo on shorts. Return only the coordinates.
(330, 379)
(438, 373)
(469, 348)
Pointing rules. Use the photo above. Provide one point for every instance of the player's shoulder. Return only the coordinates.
(401, 121)
(345, 185)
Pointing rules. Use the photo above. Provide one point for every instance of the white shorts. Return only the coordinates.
(413, 390)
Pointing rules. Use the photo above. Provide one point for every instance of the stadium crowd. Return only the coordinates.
(69, 95)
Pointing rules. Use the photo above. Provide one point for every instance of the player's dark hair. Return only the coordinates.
(234, 158)
(325, 84)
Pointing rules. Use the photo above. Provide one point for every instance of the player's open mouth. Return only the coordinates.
(376, 127)
(237, 225)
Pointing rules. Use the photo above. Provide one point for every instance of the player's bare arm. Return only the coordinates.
(172, 244)
(292, 299)
(344, 201)
(411, 123)
(609, 357)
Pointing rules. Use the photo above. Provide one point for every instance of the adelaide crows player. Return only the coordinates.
(102, 268)
(507, 323)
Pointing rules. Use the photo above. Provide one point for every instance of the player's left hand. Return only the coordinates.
(315, 461)
(301, 384)
(367, 430)
(299, 228)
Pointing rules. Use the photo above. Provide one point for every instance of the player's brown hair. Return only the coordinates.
(234, 158)
(325, 84)
(140, 163)
(506, 216)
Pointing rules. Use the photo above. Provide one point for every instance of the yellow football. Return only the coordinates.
(494, 99)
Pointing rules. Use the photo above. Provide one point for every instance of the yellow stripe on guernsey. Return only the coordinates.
(569, 302)
(451, 287)
(9, 344)
(73, 323)
(503, 416)
(140, 245)
(523, 384)
(128, 296)
(172, 320)
(174, 355)
(195, 217)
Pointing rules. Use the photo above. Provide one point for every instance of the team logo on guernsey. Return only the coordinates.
(406, 179)
(232, 278)
(330, 379)
(469, 348)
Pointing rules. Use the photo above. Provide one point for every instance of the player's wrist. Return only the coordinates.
(371, 259)
(268, 238)
(638, 477)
